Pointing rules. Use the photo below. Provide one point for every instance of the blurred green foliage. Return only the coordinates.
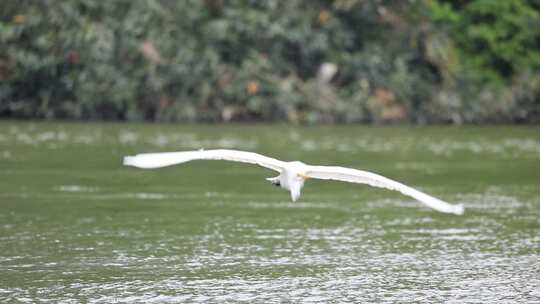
(495, 38)
(423, 61)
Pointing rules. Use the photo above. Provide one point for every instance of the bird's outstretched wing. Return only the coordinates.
(158, 160)
(375, 180)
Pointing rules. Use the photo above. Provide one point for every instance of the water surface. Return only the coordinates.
(76, 226)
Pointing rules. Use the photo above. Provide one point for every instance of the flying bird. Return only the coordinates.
(292, 175)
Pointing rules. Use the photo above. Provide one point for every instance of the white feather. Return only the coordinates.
(375, 180)
(291, 174)
(158, 160)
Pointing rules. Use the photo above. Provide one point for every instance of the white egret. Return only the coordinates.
(292, 175)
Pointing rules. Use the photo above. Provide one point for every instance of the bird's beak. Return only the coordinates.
(303, 176)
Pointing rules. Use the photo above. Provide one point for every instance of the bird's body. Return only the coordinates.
(292, 175)
(291, 178)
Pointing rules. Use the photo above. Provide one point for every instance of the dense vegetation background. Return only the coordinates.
(341, 61)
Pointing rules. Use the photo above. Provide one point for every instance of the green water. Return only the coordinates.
(76, 226)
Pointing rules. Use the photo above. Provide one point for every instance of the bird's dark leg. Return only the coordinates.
(274, 180)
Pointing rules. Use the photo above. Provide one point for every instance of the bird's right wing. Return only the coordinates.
(376, 180)
(158, 160)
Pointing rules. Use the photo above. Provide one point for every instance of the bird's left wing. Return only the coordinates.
(158, 160)
(376, 180)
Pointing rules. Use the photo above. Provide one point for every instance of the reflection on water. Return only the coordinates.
(77, 227)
